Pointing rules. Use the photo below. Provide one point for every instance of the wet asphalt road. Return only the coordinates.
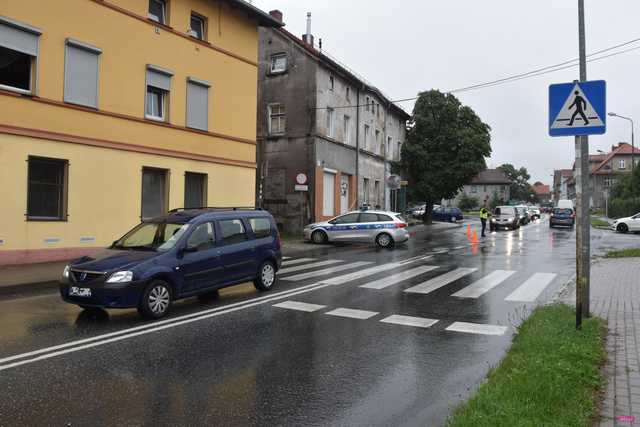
(241, 360)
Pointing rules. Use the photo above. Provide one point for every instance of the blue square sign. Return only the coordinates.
(578, 108)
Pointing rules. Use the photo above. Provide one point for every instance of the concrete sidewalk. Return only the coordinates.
(615, 296)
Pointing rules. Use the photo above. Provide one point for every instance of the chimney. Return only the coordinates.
(308, 37)
(276, 14)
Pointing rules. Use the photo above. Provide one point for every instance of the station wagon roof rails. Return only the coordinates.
(217, 208)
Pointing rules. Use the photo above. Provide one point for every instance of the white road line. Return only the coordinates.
(224, 310)
(398, 277)
(420, 322)
(297, 261)
(440, 281)
(485, 284)
(286, 258)
(345, 278)
(327, 271)
(308, 266)
(477, 328)
(351, 313)
(300, 306)
(532, 288)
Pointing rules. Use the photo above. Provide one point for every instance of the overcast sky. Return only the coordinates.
(406, 46)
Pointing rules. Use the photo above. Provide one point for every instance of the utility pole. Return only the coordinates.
(583, 252)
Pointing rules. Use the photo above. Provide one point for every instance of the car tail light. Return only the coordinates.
(278, 241)
(401, 225)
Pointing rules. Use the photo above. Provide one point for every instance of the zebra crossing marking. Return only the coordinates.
(327, 271)
(398, 277)
(420, 322)
(352, 313)
(530, 290)
(440, 281)
(476, 328)
(340, 280)
(484, 285)
(300, 306)
(297, 261)
(309, 266)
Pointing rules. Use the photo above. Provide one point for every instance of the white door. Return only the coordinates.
(328, 190)
(344, 194)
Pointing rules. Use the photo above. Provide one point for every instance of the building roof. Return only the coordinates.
(491, 176)
(333, 63)
(616, 150)
(541, 189)
(263, 18)
(566, 173)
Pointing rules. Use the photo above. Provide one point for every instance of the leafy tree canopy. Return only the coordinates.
(520, 188)
(446, 147)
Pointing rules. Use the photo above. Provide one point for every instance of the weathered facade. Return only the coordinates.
(317, 119)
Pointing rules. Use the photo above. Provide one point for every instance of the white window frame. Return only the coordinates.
(162, 19)
(163, 104)
(280, 115)
(366, 184)
(378, 146)
(331, 83)
(203, 22)
(367, 129)
(622, 164)
(33, 66)
(331, 122)
(347, 130)
(273, 61)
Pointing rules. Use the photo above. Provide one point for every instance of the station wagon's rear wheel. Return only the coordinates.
(266, 276)
(384, 240)
(319, 237)
(156, 300)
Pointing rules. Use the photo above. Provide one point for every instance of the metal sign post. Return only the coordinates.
(579, 109)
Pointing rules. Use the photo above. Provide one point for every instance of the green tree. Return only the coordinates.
(625, 195)
(446, 147)
(496, 200)
(520, 188)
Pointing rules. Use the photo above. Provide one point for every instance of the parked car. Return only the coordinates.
(447, 214)
(182, 254)
(385, 229)
(416, 211)
(504, 217)
(624, 225)
(562, 216)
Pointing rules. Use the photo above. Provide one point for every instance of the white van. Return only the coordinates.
(565, 204)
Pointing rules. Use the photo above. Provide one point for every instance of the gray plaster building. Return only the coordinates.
(483, 187)
(326, 137)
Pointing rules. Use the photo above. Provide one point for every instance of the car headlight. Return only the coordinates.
(120, 277)
(65, 272)
(493, 220)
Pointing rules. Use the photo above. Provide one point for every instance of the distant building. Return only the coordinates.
(543, 193)
(605, 170)
(484, 186)
(326, 137)
(561, 178)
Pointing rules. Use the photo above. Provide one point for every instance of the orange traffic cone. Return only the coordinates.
(474, 240)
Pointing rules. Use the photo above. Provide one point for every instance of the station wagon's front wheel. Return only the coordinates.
(384, 240)
(266, 276)
(156, 300)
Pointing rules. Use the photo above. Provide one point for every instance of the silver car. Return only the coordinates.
(383, 228)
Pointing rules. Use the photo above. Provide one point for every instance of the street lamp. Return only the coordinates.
(633, 146)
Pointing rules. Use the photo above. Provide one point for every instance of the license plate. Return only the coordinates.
(74, 291)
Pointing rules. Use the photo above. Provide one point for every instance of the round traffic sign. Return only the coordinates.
(301, 178)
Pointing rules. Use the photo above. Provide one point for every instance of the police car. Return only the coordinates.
(385, 229)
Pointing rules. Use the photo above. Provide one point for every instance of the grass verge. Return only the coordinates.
(471, 214)
(597, 222)
(549, 377)
(624, 253)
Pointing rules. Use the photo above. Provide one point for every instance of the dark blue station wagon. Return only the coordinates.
(192, 252)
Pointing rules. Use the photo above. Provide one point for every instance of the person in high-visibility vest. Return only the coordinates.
(484, 216)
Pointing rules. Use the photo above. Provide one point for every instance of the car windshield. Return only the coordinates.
(152, 236)
(505, 210)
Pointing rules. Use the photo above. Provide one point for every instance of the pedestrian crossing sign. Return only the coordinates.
(577, 108)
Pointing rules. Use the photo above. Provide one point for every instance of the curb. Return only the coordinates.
(27, 289)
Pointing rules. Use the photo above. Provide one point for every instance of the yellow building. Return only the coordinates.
(112, 111)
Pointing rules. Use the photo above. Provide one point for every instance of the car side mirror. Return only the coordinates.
(332, 222)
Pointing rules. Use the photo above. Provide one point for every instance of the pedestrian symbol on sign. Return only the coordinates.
(572, 111)
(580, 105)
